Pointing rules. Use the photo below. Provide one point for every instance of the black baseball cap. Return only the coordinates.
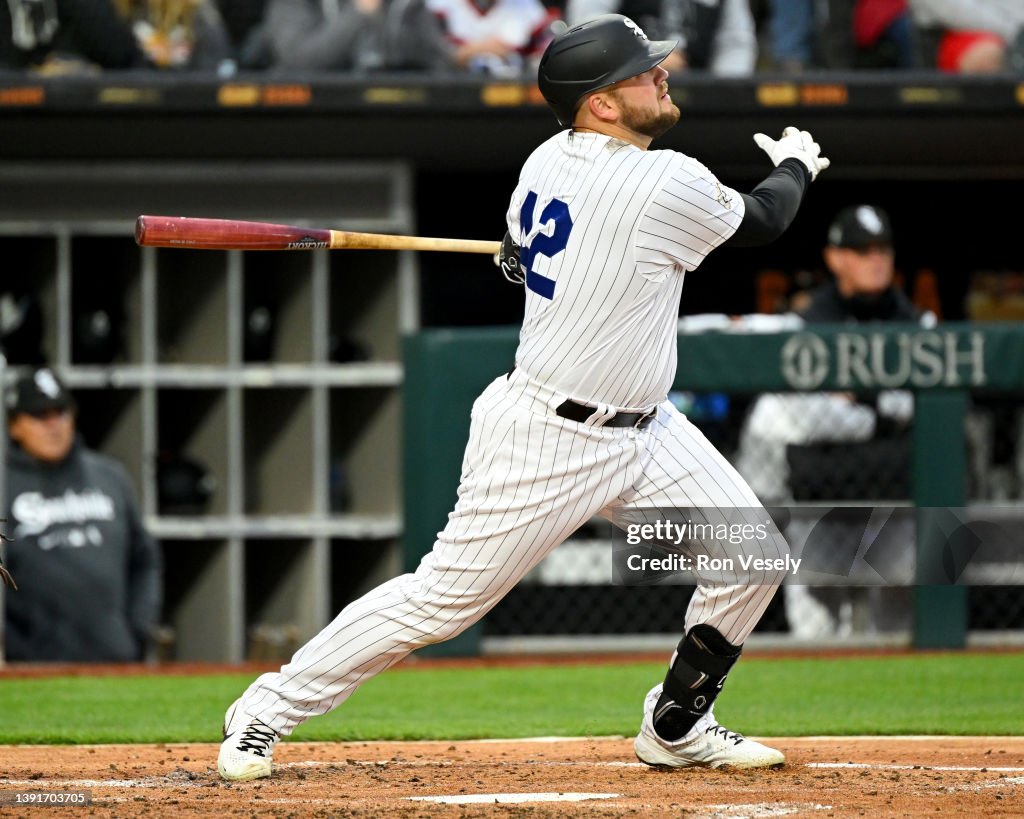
(859, 226)
(39, 391)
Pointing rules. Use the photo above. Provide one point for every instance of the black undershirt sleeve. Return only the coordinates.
(772, 205)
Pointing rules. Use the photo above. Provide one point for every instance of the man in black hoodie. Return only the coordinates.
(860, 255)
(89, 575)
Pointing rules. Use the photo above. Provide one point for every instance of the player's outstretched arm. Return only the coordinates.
(771, 207)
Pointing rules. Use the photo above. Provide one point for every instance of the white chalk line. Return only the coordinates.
(510, 798)
(762, 810)
(976, 787)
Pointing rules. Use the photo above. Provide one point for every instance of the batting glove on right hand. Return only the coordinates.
(508, 260)
(795, 144)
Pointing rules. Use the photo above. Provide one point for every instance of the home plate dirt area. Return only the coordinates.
(869, 776)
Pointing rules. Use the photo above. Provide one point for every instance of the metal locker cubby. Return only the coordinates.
(270, 425)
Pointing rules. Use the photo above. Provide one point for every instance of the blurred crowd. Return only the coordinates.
(503, 38)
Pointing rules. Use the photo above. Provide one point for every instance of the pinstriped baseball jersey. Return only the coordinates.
(607, 233)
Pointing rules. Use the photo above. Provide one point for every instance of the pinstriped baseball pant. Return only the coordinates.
(529, 480)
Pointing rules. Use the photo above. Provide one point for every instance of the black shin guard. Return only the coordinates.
(694, 678)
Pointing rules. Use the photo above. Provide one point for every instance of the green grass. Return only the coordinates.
(929, 694)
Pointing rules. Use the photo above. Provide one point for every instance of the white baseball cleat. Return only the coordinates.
(706, 745)
(248, 747)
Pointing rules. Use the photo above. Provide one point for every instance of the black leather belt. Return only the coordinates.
(575, 411)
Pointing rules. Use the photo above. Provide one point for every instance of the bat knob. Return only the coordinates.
(140, 230)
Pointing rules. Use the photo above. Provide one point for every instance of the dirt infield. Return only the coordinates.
(823, 777)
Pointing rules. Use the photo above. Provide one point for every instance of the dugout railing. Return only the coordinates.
(944, 367)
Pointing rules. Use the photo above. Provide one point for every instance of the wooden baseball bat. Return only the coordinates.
(231, 234)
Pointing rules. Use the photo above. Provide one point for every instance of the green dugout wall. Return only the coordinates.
(446, 369)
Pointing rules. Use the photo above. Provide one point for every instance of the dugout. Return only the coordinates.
(265, 563)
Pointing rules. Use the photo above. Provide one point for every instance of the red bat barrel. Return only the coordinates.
(226, 234)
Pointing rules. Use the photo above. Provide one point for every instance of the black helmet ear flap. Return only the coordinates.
(594, 55)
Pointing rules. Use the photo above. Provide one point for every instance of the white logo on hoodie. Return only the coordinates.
(36, 513)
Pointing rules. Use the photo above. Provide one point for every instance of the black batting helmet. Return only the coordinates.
(594, 55)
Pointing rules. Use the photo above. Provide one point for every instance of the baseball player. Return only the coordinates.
(606, 231)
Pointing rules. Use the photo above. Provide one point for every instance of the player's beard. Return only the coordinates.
(643, 121)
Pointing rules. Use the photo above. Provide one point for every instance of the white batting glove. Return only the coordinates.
(794, 144)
